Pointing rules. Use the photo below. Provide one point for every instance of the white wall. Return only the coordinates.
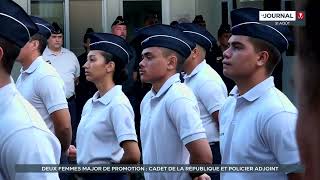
(83, 14)
(114, 9)
(211, 12)
(182, 9)
(22, 3)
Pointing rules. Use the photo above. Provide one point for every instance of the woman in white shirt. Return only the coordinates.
(106, 133)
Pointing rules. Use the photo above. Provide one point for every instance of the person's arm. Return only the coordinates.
(200, 152)
(215, 117)
(62, 126)
(50, 89)
(131, 152)
(212, 95)
(185, 115)
(122, 118)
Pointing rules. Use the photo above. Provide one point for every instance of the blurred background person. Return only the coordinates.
(85, 89)
(308, 89)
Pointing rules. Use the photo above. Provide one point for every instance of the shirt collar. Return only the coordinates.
(49, 52)
(35, 64)
(105, 99)
(195, 71)
(255, 92)
(173, 79)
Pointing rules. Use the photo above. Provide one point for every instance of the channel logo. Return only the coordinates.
(277, 15)
(296, 18)
(300, 15)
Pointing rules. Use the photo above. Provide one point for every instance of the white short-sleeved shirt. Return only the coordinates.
(105, 123)
(67, 65)
(211, 92)
(169, 120)
(42, 86)
(24, 137)
(258, 128)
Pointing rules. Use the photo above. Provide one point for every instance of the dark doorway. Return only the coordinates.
(135, 13)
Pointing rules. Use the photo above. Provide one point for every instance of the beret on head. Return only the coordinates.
(44, 26)
(119, 21)
(198, 34)
(56, 28)
(160, 35)
(16, 25)
(112, 44)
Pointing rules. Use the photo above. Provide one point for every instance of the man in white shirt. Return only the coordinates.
(206, 84)
(67, 66)
(42, 86)
(257, 122)
(170, 105)
(24, 137)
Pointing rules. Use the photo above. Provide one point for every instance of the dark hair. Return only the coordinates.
(199, 20)
(224, 28)
(180, 59)
(42, 42)
(119, 21)
(274, 53)
(86, 35)
(120, 72)
(174, 23)
(56, 28)
(10, 53)
(150, 19)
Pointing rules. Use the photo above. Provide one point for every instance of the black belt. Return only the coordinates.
(71, 98)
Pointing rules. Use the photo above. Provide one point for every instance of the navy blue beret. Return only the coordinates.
(56, 29)
(198, 34)
(160, 35)
(16, 25)
(45, 27)
(112, 44)
(245, 21)
(119, 21)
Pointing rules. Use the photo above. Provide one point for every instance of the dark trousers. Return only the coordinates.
(64, 160)
(110, 176)
(216, 156)
(73, 113)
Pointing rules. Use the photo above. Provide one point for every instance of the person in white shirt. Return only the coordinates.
(106, 132)
(67, 66)
(24, 137)
(171, 129)
(257, 121)
(206, 84)
(42, 86)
